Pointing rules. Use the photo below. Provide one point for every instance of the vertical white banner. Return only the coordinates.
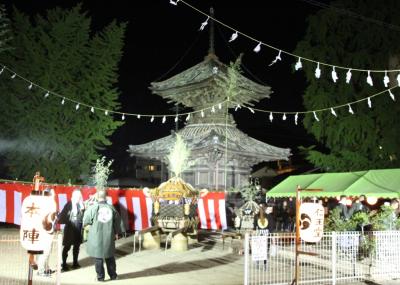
(202, 214)
(137, 211)
(211, 212)
(149, 204)
(222, 214)
(3, 206)
(123, 211)
(17, 207)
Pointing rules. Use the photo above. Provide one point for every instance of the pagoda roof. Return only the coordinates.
(203, 75)
(202, 138)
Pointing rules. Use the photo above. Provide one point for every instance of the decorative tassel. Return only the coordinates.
(204, 24)
(333, 112)
(318, 71)
(233, 37)
(369, 79)
(271, 117)
(334, 75)
(351, 110)
(278, 57)
(348, 76)
(392, 95)
(315, 116)
(369, 102)
(296, 118)
(257, 48)
(386, 80)
(298, 65)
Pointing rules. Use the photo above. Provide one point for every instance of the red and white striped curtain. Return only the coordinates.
(135, 208)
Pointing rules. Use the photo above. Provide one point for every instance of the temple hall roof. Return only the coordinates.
(203, 139)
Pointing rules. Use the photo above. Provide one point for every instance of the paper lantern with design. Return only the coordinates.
(37, 217)
(311, 222)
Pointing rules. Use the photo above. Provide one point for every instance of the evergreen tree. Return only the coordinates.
(61, 53)
(369, 138)
(5, 36)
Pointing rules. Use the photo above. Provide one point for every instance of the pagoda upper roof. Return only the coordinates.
(203, 138)
(182, 87)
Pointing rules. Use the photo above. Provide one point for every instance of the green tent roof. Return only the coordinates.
(382, 183)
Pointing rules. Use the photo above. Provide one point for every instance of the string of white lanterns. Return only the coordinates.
(212, 108)
(78, 104)
(299, 58)
(331, 109)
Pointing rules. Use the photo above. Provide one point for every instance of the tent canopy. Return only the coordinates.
(381, 183)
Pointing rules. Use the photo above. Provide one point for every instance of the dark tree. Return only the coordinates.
(61, 53)
(363, 34)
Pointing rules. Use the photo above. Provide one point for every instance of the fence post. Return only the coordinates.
(246, 258)
(59, 256)
(334, 257)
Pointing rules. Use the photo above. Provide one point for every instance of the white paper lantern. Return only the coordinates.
(311, 222)
(37, 212)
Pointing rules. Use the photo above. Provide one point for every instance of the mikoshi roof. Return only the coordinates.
(200, 138)
(175, 189)
(380, 183)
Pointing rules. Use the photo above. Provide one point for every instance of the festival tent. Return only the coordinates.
(382, 183)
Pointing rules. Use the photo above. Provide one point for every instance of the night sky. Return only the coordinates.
(163, 40)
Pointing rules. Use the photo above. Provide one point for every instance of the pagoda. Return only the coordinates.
(221, 154)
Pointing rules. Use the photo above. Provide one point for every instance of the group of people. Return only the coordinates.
(103, 223)
(282, 213)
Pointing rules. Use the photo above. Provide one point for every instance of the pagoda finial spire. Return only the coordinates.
(211, 47)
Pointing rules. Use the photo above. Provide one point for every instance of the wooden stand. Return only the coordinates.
(151, 240)
(179, 242)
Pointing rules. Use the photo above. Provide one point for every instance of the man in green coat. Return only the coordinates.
(104, 223)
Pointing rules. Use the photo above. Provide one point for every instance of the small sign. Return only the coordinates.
(311, 222)
(259, 248)
(36, 211)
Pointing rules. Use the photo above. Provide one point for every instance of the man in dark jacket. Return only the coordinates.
(104, 223)
(72, 217)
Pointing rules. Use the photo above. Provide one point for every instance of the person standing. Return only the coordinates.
(105, 224)
(343, 210)
(358, 206)
(72, 216)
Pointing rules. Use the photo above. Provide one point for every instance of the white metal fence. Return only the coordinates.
(340, 257)
(14, 262)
